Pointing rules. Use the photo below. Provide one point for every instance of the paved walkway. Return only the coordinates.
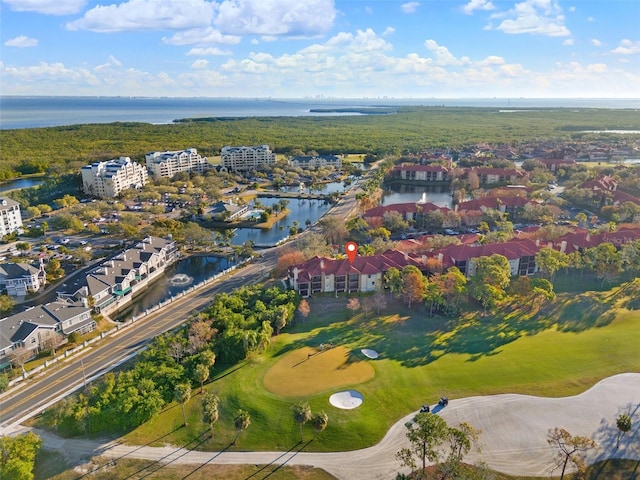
(513, 439)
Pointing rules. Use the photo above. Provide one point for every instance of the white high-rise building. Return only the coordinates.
(239, 159)
(108, 179)
(167, 164)
(10, 217)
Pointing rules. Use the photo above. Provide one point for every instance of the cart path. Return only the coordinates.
(513, 438)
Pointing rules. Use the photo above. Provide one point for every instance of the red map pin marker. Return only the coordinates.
(352, 250)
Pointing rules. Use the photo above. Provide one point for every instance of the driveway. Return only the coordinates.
(513, 438)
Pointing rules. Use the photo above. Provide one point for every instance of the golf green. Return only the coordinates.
(308, 370)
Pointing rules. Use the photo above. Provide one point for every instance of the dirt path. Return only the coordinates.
(513, 438)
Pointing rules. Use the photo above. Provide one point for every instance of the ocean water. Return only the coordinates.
(32, 112)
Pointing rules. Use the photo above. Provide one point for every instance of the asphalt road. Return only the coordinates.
(31, 396)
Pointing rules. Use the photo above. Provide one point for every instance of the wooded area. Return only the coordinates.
(66, 149)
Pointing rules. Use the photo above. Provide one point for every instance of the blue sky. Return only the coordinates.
(330, 48)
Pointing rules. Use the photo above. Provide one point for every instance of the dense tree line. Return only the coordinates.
(18, 455)
(234, 327)
(411, 129)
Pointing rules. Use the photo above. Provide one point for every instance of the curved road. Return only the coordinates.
(513, 436)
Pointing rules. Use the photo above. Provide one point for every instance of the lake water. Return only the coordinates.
(439, 195)
(20, 183)
(177, 278)
(32, 112)
(300, 211)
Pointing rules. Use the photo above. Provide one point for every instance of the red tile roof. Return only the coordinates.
(403, 208)
(511, 250)
(420, 168)
(363, 265)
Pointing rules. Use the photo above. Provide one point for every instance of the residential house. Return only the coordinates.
(229, 211)
(115, 282)
(31, 328)
(20, 279)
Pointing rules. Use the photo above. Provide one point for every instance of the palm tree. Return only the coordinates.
(210, 410)
(301, 414)
(182, 394)
(319, 422)
(201, 375)
(241, 421)
(623, 422)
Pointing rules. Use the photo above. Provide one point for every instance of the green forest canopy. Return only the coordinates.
(37, 150)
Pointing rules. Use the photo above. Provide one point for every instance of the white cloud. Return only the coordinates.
(208, 51)
(595, 42)
(47, 73)
(276, 17)
(201, 36)
(409, 7)
(388, 31)
(473, 5)
(442, 54)
(47, 7)
(627, 47)
(597, 68)
(568, 42)
(536, 17)
(137, 15)
(114, 61)
(200, 64)
(21, 41)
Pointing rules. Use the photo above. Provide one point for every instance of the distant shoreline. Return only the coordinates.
(22, 112)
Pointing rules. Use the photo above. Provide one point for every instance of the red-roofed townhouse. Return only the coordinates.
(421, 173)
(511, 205)
(554, 164)
(494, 176)
(410, 212)
(521, 255)
(328, 275)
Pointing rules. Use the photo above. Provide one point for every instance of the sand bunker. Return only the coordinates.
(346, 400)
(369, 353)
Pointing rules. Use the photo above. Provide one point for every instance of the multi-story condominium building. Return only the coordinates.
(421, 173)
(314, 161)
(241, 159)
(167, 164)
(108, 179)
(19, 279)
(10, 218)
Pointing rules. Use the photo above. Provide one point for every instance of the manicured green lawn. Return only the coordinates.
(561, 350)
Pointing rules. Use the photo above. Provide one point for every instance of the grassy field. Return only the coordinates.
(559, 350)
